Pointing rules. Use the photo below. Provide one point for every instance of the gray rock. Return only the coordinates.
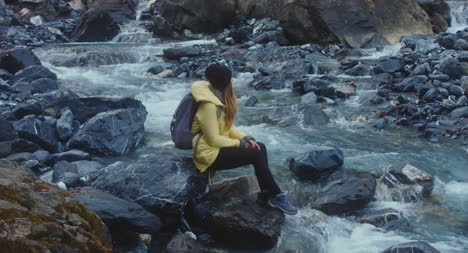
(44, 85)
(118, 214)
(178, 52)
(230, 208)
(383, 78)
(42, 156)
(344, 191)
(412, 247)
(27, 108)
(71, 156)
(251, 102)
(316, 164)
(451, 67)
(409, 183)
(388, 219)
(268, 82)
(97, 24)
(461, 44)
(412, 83)
(456, 90)
(272, 36)
(20, 157)
(54, 98)
(86, 167)
(17, 59)
(358, 70)
(32, 73)
(67, 173)
(162, 184)
(155, 70)
(35, 130)
(111, 133)
(8, 133)
(389, 66)
(309, 99)
(161, 27)
(459, 113)
(65, 127)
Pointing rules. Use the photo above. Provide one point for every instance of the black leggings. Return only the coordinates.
(230, 158)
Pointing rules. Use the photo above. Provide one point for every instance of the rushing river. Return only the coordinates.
(441, 220)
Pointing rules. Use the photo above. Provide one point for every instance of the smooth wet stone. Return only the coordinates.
(309, 99)
(251, 102)
(412, 247)
(412, 83)
(65, 126)
(17, 59)
(42, 156)
(44, 85)
(178, 52)
(20, 157)
(62, 170)
(344, 191)
(451, 67)
(54, 98)
(388, 219)
(268, 82)
(95, 25)
(118, 214)
(163, 184)
(316, 164)
(155, 70)
(35, 130)
(8, 132)
(85, 167)
(389, 66)
(359, 70)
(111, 133)
(71, 156)
(27, 108)
(230, 214)
(32, 73)
(459, 113)
(409, 183)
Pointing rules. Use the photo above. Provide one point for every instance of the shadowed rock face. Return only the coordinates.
(38, 217)
(358, 23)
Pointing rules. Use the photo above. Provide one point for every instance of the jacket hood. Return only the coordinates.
(201, 93)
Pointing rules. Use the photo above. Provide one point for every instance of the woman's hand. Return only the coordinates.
(253, 144)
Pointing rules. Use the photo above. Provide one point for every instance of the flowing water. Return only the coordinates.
(441, 220)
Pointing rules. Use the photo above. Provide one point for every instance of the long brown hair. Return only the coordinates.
(231, 106)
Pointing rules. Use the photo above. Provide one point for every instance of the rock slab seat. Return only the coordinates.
(230, 214)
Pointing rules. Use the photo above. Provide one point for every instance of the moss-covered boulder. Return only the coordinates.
(38, 217)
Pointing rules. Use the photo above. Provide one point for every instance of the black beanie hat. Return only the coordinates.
(218, 75)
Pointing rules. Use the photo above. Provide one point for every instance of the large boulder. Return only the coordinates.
(316, 164)
(111, 133)
(437, 9)
(118, 214)
(412, 247)
(407, 183)
(121, 10)
(299, 115)
(451, 67)
(96, 25)
(344, 191)
(230, 214)
(8, 133)
(33, 73)
(176, 53)
(17, 59)
(366, 23)
(38, 131)
(162, 184)
(38, 217)
(198, 15)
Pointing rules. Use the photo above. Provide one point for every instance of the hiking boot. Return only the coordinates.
(281, 202)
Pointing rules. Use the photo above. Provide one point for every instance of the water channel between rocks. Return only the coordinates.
(441, 220)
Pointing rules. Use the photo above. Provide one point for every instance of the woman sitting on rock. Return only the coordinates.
(219, 145)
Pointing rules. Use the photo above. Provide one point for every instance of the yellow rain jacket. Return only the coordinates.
(206, 121)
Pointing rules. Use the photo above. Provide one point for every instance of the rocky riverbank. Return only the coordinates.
(87, 144)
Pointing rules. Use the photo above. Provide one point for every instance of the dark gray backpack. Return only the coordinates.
(181, 123)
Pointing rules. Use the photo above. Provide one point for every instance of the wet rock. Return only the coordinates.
(155, 70)
(296, 68)
(35, 130)
(32, 73)
(463, 57)
(447, 40)
(272, 36)
(96, 25)
(388, 219)
(5, 75)
(440, 77)
(251, 102)
(412, 182)
(38, 216)
(85, 108)
(459, 113)
(300, 115)
(410, 247)
(451, 67)
(181, 243)
(111, 133)
(359, 70)
(71, 156)
(343, 90)
(199, 17)
(309, 99)
(21, 145)
(383, 78)
(162, 184)
(230, 214)
(317, 86)
(42, 156)
(462, 101)
(456, 90)
(20, 157)
(65, 172)
(161, 27)
(65, 126)
(8, 133)
(384, 92)
(118, 214)
(344, 191)
(461, 44)
(17, 59)
(389, 66)
(178, 52)
(86, 167)
(241, 35)
(316, 164)
(268, 82)
(27, 108)
(57, 98)
(412, 83)
(43, 85)
(437, 8)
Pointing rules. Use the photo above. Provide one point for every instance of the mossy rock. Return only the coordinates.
(38, 217)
